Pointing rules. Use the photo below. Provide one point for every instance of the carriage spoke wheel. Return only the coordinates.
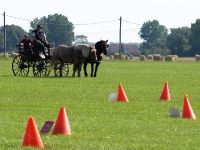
(39, 68)
(65, 70)
(47, 62)
(20, 66)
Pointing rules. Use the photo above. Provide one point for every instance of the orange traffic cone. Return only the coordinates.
(62, 123)
(32, 136)
(165, 93)
(187, 109)
(121, 94)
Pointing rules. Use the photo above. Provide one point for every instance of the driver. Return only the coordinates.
(39, 38)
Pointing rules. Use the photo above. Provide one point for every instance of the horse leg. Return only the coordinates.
(79, 69)
(85, 69)
(74, 68)
(92, 69)
(96, 69)
(73, 74)
(55, 67)
(61, 67)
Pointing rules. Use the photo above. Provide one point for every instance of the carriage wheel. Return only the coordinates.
(65, 70)
(20, 66)
(39, 68)
(47, 61)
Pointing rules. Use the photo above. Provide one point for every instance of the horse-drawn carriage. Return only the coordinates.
(59, 57)
(33, 58)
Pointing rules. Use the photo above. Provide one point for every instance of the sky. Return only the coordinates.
(102, 17)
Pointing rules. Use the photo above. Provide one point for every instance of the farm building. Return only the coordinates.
(126, 49)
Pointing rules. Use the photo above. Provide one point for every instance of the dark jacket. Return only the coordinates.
(39, 35)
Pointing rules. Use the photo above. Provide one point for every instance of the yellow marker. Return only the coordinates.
(186, 96)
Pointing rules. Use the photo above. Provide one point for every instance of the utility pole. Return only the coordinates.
(4, 14)
(120, 32)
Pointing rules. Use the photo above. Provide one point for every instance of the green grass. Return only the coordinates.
(96, 124)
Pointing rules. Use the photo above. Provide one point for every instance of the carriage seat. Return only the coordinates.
(23, 50)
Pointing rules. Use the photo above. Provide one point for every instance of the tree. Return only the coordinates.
(81, 39)
(194, 38)
(1, 42)
(154, 36)
(91, 43)
(57, 28)
(14, 34)
(178, 41)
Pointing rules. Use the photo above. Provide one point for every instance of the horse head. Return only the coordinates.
(102, 47)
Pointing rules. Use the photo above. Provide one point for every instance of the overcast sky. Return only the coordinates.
(170, 13)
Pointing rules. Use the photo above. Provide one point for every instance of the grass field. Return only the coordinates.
(96, 124)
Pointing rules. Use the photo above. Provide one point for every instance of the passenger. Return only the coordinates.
(27, 44)
(39, 38)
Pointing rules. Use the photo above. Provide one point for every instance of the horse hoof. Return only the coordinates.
(86, 75)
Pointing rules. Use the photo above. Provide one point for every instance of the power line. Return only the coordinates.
(131, 22)
(93, 22)
(17, 18)
(124, 35)
(98, 22)
(109, 32)
(130, 29)
(166, 27)
(65, 24)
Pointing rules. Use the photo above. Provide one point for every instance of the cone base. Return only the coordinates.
(33, 146)
(124, 100)
(165, 99)
(194, 118)
(62, 133)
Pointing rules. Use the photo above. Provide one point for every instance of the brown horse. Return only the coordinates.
(75, 55)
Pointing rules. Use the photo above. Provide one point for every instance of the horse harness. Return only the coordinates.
(78, 53)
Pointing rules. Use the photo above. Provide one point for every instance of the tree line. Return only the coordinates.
(183, 41)
(157, 39)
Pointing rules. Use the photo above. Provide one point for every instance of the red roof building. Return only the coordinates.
(126, 49)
